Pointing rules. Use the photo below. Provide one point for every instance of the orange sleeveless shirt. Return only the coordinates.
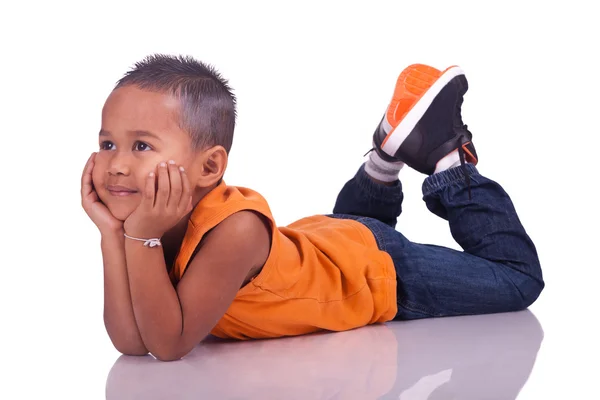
(322, 273)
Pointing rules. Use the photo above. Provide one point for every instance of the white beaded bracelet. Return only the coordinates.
(147, 242)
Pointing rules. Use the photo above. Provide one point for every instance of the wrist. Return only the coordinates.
(149, 241)
(140, 231)
(112, 233)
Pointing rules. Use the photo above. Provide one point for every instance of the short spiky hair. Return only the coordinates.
(208, 105)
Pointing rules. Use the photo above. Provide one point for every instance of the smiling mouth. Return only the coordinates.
(120, 191)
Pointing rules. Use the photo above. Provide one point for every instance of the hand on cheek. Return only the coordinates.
(166, 198)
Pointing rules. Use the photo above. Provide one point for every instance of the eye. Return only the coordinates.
(106, 145)
(141, 146)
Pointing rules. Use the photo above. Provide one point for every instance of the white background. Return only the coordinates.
(312, 80)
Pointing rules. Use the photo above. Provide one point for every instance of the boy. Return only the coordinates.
(186, 255)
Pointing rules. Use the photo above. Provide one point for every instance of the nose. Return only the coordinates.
(119, 164)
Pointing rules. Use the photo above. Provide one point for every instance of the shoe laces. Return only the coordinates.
(463, 164)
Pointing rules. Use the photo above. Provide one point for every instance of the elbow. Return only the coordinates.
(127, 342)
(168, 354)
(133, 351)
(130, 349)
(172, 350)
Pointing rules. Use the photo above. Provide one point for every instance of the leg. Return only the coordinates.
(375, 191)
(499, 270)
(363, 197)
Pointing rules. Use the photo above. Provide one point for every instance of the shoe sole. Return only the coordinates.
(396, 137)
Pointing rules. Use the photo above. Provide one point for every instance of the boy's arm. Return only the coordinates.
(173, 321)
(119, 319)
(118, 313)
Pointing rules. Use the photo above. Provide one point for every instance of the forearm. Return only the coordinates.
(119, 318)
(155, 302)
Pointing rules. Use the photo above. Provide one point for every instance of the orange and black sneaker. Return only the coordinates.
(423, 122)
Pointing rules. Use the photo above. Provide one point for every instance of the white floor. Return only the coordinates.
(313, 79)
(502, 356)
(485, 357)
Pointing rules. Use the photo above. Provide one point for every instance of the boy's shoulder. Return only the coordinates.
(237, 247)
(226, 216)
(223, 201)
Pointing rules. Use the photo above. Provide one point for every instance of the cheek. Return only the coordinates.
(143, 170)
(99, 178)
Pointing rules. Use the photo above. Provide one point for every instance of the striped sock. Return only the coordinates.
(382, 170)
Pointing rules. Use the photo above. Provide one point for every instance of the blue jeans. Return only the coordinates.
(499, 269)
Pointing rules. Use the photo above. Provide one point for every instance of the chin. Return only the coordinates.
(119, 211)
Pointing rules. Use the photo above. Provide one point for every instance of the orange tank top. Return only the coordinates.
(322, 273)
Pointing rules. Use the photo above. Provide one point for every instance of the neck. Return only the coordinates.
(174, 236)
(200, 192)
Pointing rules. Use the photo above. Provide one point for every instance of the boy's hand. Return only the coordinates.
(162, 205)
(95, 209)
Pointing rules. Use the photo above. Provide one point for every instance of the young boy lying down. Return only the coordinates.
(186, 255)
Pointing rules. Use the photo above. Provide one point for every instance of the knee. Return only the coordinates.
(528, 282)
(530, 292)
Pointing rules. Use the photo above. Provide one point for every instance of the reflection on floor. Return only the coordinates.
(478, 357)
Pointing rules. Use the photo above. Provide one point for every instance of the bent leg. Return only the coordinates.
(362, 197)
(499, 269)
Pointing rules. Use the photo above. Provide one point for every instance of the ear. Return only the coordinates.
(213, 166)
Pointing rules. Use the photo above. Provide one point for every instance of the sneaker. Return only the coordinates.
(423, 122)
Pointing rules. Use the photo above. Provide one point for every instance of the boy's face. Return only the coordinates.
(139, 130)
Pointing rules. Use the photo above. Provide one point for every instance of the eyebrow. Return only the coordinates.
(137, 133)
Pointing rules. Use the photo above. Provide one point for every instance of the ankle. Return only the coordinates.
(382, 171)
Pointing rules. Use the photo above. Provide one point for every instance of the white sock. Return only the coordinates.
(382, 170)
(449, 161)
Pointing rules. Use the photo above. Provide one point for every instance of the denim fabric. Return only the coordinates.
(499, 269)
